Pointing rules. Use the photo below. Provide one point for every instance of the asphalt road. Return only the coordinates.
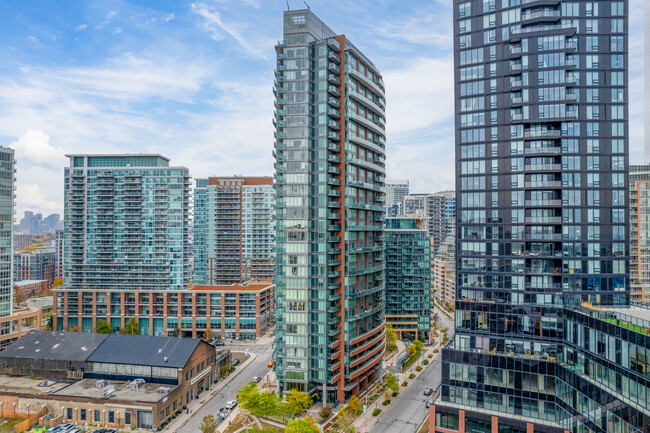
(408, 412)
(258, 367)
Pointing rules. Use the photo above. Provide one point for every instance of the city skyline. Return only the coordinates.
(97, 75)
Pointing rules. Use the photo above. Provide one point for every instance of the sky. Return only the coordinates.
(193, 81)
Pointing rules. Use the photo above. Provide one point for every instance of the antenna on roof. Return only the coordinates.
(308, 8)
(288, 8)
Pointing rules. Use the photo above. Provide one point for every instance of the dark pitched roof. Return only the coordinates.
(64, 346)
(145, 350)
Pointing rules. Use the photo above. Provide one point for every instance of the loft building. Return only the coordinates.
(330, 190)
(234, 230)
(408, 277)
(639, 233)
(542, 179)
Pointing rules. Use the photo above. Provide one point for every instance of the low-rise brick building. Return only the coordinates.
(237, 311)
(114, 380)
(30, 288)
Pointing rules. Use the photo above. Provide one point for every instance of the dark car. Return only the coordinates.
(235, 362)
(429, 402)
(219, 343)
(428, 391)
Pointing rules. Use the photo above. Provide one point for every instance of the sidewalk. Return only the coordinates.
(366, 421)
(193, 407)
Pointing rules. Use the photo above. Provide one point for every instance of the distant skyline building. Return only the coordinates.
(444, 273)
(330, 176)
(34, 223)
(640, 233)
(234, 230)
(396, 190)
(58, 247)
(126, 223)
(38, 264)
(7, 208)
(408, 277)
(542, 145)
(439, 209)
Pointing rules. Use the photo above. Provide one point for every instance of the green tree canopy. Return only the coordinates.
(132, 327)
(391, 338)
(304, 425)
(103, 327)
(391, 382)
(259, 403)
(296, 401)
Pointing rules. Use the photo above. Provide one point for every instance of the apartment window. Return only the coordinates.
(464, 10)
(616, 43)
(617, 26)
(618, 9)
(617, 79)
(111, 417)
(618, 112)
(465, 41)
(82, 414)
(127, 417)
(617, 61)
(591, 62)
(592, 43)
(465, 26)
(97, 416)
(68, 413)
(591, 26)
(489, 5)
(591, 9)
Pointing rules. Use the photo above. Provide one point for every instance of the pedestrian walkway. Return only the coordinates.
(195, 405)
(365, 422)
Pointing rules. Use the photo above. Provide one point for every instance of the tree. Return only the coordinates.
(391, 338)
(208, 335)
(354, 405)
(103, 327)
(391, 382)
(209, 425)
(325, 413)
(224, 370)
(175, 333)
(257, 402)
(305, 425)
(132, 327)
(57, 282)
(418, 347)
(296, 401)
(411, 350)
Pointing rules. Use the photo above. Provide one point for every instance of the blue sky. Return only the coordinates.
(193, 81)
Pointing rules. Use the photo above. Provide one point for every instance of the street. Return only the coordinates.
(256, 368)
(408, 411)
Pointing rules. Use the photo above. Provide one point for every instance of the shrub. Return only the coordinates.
(376, 412)
(394, 394)
(411, 376)
(431, 354)
(418, 368)
(405, 383)
(435, 351)
(325, 412)
(386, 402)
(425, 362)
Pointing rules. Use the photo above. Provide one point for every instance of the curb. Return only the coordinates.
(214, 391)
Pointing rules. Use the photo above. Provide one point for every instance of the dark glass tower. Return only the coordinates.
(542, 160)
(330, 175)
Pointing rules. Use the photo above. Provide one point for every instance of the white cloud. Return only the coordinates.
(118, 30)
(419, 95)
(107, 20)
(34, 148)
(216, 26)
(80, 27)
(31, 197)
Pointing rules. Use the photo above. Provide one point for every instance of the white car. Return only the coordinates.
(230, 405)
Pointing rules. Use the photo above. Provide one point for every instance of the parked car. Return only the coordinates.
(428, 391)
(219, 343)
(429, 402)
(235, 362)
(231, 404)
(271, 363)
(256, 379)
